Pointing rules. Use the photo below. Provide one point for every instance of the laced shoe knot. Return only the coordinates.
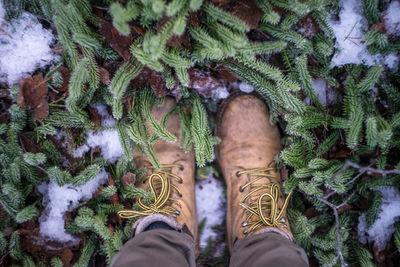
(160, 184)
(262, 202)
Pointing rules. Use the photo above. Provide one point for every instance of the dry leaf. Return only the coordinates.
(32, 95)
(157, 83)
(142, 79)
(247, 11)
(128, 178)
(66, 75)
(104, 76)
(204, 82)
(117, 41)
(95, 117)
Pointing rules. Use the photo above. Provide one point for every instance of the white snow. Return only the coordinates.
(2, 13)
(319, 86)
(383, 228)
(210, 203)
(392, 18)
(350, 34)
(391, 60)
(220, 93)
(24, 47)
(58, 200)
(326, 94)
(244, 87)
(108, 139)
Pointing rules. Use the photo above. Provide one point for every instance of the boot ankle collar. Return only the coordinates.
(140, 225)
(281, 231)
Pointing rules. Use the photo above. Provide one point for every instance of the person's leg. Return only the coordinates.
(158, 247)
(267, 249)
(165, 233)
(257, 226)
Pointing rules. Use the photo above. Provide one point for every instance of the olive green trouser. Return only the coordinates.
(167, 248)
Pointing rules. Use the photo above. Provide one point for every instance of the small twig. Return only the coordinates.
(37, 16)
(338, 238)
(5, 33)
(347, 200)
(44, 170)
(354, 42)
(361, 170)
(4, 256)
(101, 8)
(370, 170)
(350, 31)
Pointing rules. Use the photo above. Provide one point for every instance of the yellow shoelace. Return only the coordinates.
(257, 208)
(160, 179)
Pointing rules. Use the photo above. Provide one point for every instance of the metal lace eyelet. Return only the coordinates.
(283, 220)
(241, 189)
(181, 168)
(244, 224)
(144, 181)
(177, 212)
(237, 174)
(180, 181)
(245, 231)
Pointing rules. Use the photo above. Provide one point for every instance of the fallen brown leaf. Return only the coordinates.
(95, 117)
(104, 76)
(117, 41)
(157, 83)
(139, 30)
(66, 74)
(226, 74)
(114, 198)
(308, 26)
(128, 178)
(247, 11)
(380, 27)
(66, 256)
(195, 18)
(174, 40)
(142, 79)
(203, 82)
(111, 66)
(344, 208)
(32, 95)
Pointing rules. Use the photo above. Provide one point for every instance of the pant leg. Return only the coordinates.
(267, 249)
(158, 247)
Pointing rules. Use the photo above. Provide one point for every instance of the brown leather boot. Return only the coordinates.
(173, 185)
(246, 154)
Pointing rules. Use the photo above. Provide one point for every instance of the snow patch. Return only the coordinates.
(220, 93)
(326, 94)
(383, 228)
(349, 32)
(391, 60)
(108, 139)
(244, 87)
(392, 18)
(210, 203)
(58, 200)
(24, 47)
(2, 13)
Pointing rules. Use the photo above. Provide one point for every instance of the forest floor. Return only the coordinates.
(35, 75)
